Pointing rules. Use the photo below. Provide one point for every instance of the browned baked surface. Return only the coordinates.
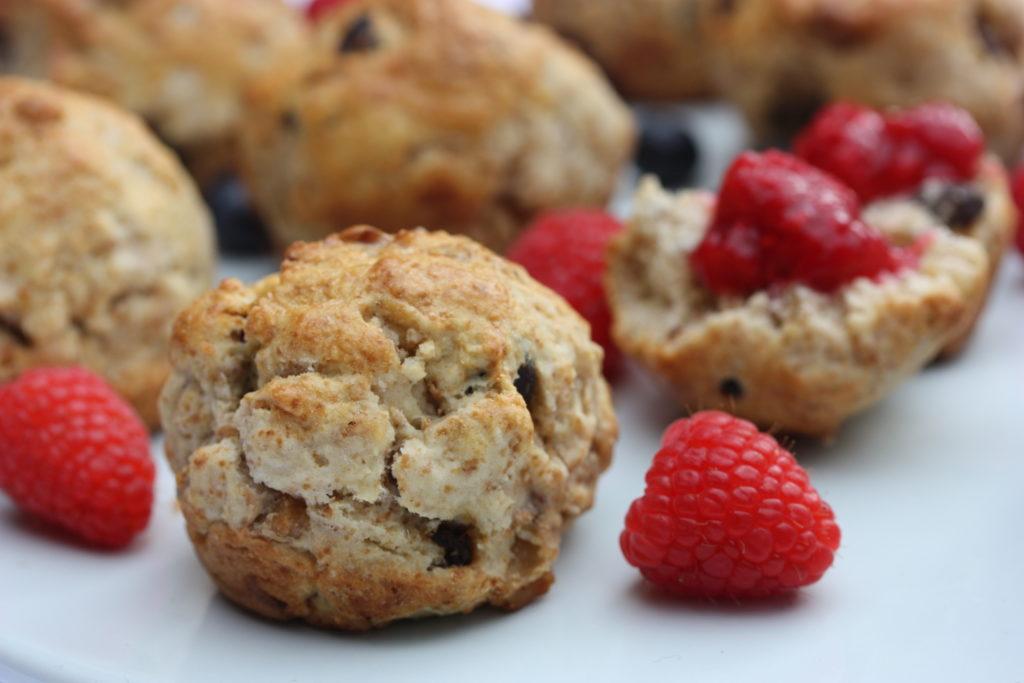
(103, 240)
(781, 59)
(651, 49)
(389, 428)
(183, 65)
(433, 113)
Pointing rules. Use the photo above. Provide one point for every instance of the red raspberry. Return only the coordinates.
(728, 513)
(318, 8)
(75, 454)
(881, 155)
(1018, 197)
(566, 250)
(779, 221)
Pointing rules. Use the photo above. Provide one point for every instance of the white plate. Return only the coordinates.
(926, 586)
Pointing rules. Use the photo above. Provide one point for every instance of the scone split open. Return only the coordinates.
(795, 359)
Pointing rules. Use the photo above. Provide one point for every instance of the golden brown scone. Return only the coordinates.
(651, 49)
(780, 60)
(391, 427)
(797, 359)
(982, 209)
(183, 65)
(103, 239)
(433, 113)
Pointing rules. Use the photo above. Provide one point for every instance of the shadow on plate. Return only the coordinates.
(651, 598)
(30, 526)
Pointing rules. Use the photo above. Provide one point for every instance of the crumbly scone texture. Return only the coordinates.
(391, 427)
(651, 49)
(183, 65)
(993, 229)
(434, 113)
(780, 60)
(796, 359)
(103, 240)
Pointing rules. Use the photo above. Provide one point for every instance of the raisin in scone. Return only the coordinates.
(434, 113)
(926, 164)
(391, 427)
(778, 303)
(103, 240)
(183, 65)
(780, 60)
(651, 49)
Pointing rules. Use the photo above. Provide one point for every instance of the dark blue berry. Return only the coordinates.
(667, 149)
(239, 229)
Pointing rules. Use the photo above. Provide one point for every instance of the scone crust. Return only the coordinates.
(781, 60)
(183, 65)
(104, 240)
(327, 423)
(651, 49)
(796, 360)
(454, 117)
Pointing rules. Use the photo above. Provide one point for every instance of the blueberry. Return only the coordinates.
(239, 229)
(668, 150)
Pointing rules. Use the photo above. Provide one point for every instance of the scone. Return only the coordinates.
(433, 113)
(103, 240)
(183, 65)
(927, 164)
(780, 60)
(391, 427)
(777, 302)
(651, 49)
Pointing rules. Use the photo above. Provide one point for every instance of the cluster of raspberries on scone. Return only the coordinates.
(813, 284)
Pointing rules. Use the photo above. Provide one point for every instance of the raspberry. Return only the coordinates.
(880, 155)
(779, 221)
(75, 454)
(728, 512)
(566, 250)
(318, 8)
(1018, 197)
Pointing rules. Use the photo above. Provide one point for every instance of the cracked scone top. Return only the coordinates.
(433, 113)
(794, 359)
(780, 60)
(391, 427)
(651, 49)
(183, 65)
(103, 240)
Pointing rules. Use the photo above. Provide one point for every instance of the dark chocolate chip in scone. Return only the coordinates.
(730, 387)
(957, 205)
(1000, 39)
(360, 36)
(456, 542)
(526, 380)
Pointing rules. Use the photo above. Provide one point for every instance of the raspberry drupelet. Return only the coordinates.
(727, 512)
(884, 154)
(780, 221)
